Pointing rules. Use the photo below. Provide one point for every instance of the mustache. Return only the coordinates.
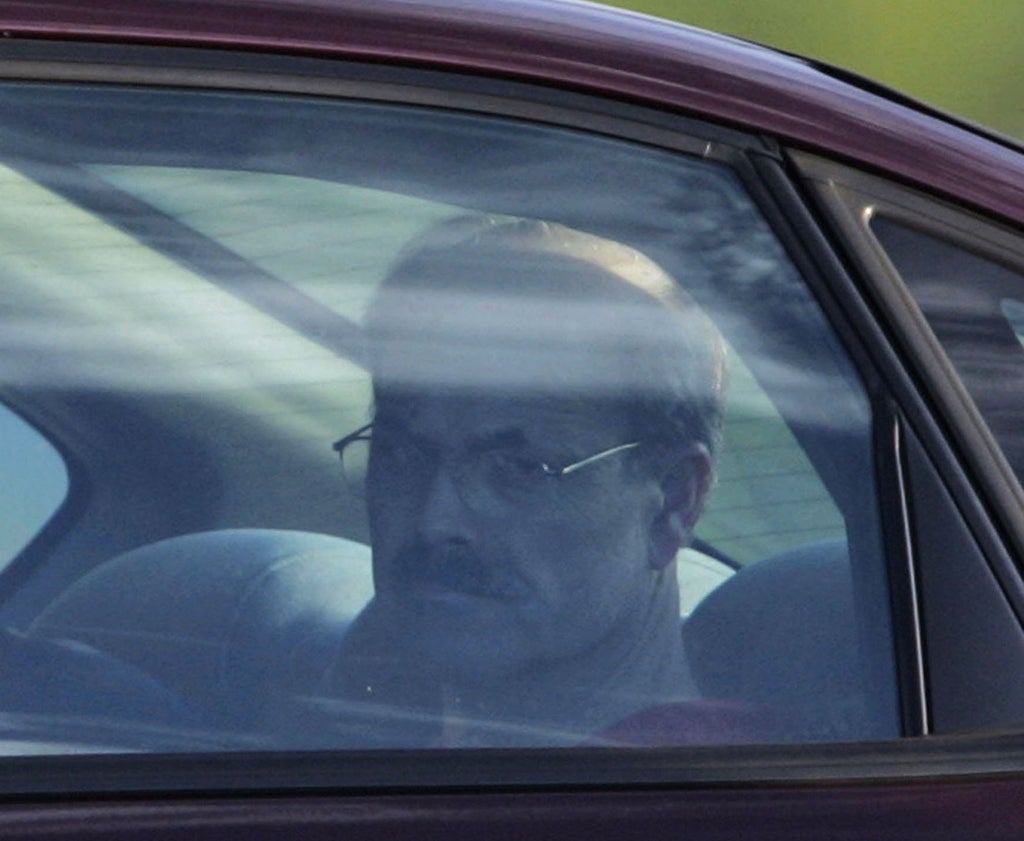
(455, 565)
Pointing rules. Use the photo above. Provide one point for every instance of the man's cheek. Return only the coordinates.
(391, 521)
(386, 548)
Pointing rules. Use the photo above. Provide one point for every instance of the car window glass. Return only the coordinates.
(314, 226)
(34, 484)
(973, 304)
(529, 333)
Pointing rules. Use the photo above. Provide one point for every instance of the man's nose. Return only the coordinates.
(444, 515)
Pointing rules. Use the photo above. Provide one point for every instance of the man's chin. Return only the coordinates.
(433, 611)
(455, 636)
(464, 599)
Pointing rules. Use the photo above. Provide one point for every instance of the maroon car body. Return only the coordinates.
(586, 48)
(938, 787)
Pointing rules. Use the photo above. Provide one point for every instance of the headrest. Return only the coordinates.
(782, 633)
(223, 618)
(75, 685)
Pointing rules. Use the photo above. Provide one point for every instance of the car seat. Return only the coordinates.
(225, 619)
(782, 634)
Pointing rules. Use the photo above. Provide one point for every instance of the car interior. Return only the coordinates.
(184, 276)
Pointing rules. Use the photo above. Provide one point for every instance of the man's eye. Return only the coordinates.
(512, 468)
(399, 449)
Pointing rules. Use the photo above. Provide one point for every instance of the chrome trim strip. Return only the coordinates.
(915, 604)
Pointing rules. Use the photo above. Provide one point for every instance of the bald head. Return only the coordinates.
(538, 309)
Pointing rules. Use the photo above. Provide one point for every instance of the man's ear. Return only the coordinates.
(685, 485)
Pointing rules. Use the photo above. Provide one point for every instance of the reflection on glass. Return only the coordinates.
(535, 606)
(972, 304)
(561, 465)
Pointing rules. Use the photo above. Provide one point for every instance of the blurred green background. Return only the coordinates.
(964, 56)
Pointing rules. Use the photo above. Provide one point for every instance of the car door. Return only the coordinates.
(187, 267)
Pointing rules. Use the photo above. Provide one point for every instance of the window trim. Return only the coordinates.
(953, 436)
(618, 767)
(850, 198)
(389, 772)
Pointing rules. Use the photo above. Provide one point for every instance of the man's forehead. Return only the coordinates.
(527, 372)
(545, 352)
(489, 415)
(527, 337)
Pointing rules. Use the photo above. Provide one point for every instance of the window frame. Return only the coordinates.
(761, 167)
(849, 199)
(947, 448)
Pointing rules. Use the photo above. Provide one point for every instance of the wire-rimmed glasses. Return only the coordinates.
(491, 480)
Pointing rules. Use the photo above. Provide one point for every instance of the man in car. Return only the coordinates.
(547, 405)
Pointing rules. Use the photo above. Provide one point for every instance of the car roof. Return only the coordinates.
(585, 47)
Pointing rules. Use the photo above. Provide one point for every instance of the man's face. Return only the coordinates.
(487, 585)
(473, 380)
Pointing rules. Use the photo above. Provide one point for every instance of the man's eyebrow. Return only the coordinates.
(509, 437)
(514, 436)
(396, 428)
(387, 422)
